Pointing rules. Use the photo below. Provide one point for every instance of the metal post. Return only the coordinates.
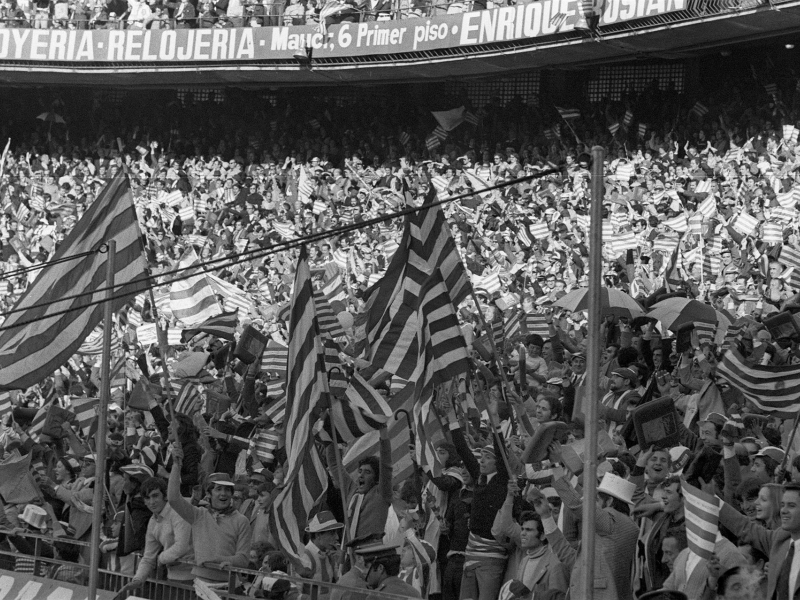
(100, 436)
(592, 373)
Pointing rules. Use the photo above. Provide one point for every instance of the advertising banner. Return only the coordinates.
(523, 21)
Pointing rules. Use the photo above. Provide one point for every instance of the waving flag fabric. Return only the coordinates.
(306, 479)
(772, 389)
(391, 325)
(38, 340)
(222, 326)
(702, 520)
(192, 300)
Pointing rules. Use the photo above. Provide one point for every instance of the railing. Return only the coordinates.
(156, 589)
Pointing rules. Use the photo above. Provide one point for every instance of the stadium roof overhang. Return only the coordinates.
(660, 39)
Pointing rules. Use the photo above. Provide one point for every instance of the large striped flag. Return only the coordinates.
(222, 326)
(192, 300)
(772, 389)
(398, 432)
(443, 356)
(305, 480)
(392, 303)
(702, 520)
(361, 410)
(38, 340)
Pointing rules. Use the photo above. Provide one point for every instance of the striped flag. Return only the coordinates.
(189, 401)
(705, 332)
(263, 445)
(274, 358)
(192, 300)
(337, 378)
(432, 142)
(628, 118)
(222, 326)
(93, 344)
(405, 138)
(328, 322)
(401, 397)
(276, 411)
(391, 303)
(37, 341)
(702, 520)
(700, 109)
(772, 389)
(334, 288)
(568, 113)
(790, 257)
(471, 118)
(771, 89)
(443, 356)
(614, 128)
(540, 231)
(361, 410)
(489, 284)
(304, 187)
(305, 480)
(233, 298)
(535, 323)
(5, 405)
(677, 223)
(642, 129)
(513, 324)
(708, 207)
(745, 223)
(85, 414)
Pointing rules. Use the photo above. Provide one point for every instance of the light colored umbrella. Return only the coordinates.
(612, 302)
(674, 312)
(52, 118)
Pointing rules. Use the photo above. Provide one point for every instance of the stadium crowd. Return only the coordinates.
(701, 207)
(154, 14)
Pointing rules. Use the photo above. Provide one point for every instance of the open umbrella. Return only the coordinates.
(612, 302)
(51, 117)
(674, 312)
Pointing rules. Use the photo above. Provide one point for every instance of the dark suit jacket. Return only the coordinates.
(773, 543)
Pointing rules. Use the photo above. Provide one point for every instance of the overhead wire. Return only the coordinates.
(228, 261)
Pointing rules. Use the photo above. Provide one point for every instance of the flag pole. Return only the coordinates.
(161, 336)
(100, 436)
(592, 374)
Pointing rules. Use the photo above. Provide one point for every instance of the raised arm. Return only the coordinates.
(178, 503)
(504, 527)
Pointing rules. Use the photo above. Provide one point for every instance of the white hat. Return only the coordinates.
(617, 487)
(323, 521)
(35, 516)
